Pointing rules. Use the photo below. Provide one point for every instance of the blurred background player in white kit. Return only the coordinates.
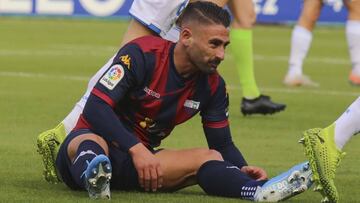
(302, 37)
(147, 20)
(323, 148)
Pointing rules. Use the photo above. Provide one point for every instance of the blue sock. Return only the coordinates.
(86, 152)
(221, 178)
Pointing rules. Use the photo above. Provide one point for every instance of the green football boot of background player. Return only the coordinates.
(324, 158)
(48, 144)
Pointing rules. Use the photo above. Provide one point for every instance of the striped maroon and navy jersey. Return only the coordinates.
(149, 96)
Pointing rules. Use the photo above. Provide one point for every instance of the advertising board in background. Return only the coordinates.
(268, 11)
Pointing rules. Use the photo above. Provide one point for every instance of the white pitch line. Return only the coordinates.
(326, 60)
(42, 75)
(80, 51)
(230, 87)
(302, 91)
(51, 52)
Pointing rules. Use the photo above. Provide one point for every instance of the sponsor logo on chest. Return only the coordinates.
(192, 104)
(151, 92)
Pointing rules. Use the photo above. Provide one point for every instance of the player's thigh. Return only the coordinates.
(135, 30)
(181, 165)
(310, 13)
(353, 7)
(243, 12)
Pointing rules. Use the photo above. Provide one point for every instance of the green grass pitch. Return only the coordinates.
(44, 68)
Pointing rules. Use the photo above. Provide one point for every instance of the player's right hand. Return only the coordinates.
(255, 172)
(148, 167)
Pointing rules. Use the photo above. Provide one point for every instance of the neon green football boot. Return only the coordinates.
(48, 144)
(324, 158)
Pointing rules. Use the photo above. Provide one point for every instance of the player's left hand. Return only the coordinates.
(255, 172)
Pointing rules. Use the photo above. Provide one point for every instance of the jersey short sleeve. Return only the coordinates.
(126, 72)
(217, 108)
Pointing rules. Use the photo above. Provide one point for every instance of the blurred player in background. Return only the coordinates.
(244, 18)
(150, 21)
(323, 148)
(139, 101)
(302, 37)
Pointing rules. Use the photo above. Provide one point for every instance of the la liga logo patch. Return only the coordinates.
(113, 76)
(115, 73)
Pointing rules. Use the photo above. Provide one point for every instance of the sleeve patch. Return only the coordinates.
(113, 76)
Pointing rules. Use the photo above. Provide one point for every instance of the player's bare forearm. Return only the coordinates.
(148, 167)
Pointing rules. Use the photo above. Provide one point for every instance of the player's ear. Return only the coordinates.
(186, 36)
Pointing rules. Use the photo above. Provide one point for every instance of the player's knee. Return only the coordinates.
(74, 143)
(214, 155)
(354, 13)
(245, 22)
(205, 155)
(309, 25)
(309, 21)
(251, 20)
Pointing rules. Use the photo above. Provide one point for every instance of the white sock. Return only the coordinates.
(71, 119)
(348, 124)
(353, 39)
(300, 43)
(173, 34)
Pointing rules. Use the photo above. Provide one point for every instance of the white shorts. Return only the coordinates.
(71, 119)
(158, 15)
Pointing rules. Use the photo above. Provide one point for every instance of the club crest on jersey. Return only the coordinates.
(113, 76)
(126, 60)
(192, 104)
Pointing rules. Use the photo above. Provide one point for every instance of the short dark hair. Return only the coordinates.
(205, 12)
